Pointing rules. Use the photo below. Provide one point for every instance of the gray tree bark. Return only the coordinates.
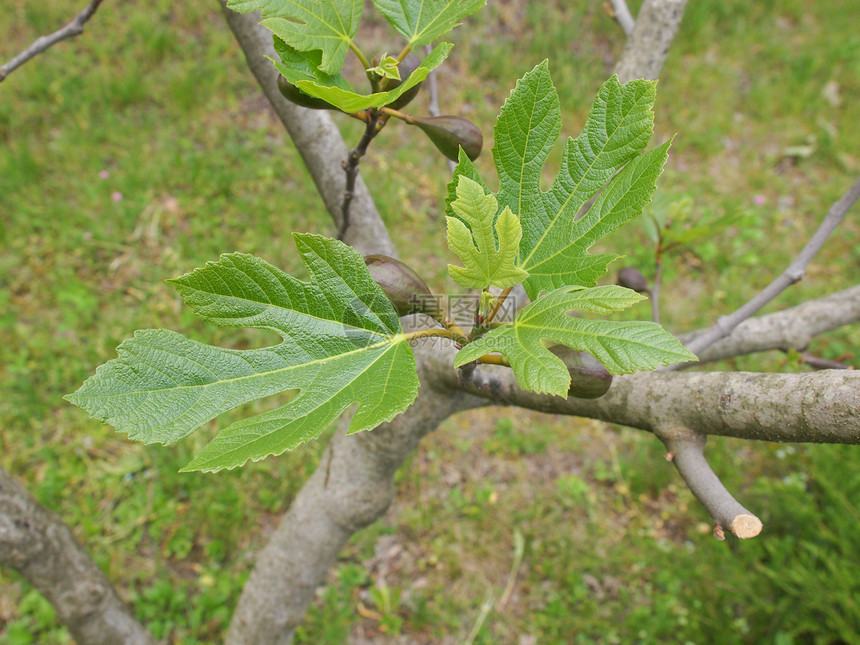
(647, 47)
(36, 543)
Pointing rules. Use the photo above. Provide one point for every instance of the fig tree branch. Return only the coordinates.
(38, 544)
(648, 45)
(794, 273)
(350, 167)
(43, 43)
(623, 16)
(790, 329)
(686, 451)
(351, 488)
(317, 139)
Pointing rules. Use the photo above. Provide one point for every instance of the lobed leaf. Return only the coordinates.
(487, 250)
(622, 347)
(342, 344)
(325, 25)
(422, 21)
(607, 155)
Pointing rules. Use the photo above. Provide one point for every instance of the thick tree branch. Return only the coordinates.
(43, 43)
(38, 545)
(785, 330)
(317, 139)
(648, 45)
(682, 409)
(352, 488)
(816, 407)
(794, 273)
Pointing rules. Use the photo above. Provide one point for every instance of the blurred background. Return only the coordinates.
(142, 149)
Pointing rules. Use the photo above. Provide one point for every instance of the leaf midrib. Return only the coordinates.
(394, 340)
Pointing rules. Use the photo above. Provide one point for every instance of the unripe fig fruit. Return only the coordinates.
(588, 378)
(294, 95)
(449, 133)
(406, 290)
(409, 65)
(633, 279)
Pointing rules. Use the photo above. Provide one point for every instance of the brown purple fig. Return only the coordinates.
(409, 65)
(633, 279)
(450, 133)
(294, 95)
(588, 378)
(406, 290)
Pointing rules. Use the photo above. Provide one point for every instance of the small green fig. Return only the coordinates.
(406, 290)
(449, 133)
(409, 65)
(294, 95)
(588, 378)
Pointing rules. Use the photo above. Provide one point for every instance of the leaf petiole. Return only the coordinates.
(360, 55)
(458, 336)
(494, 359)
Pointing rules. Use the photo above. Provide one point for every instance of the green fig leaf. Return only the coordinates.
(622, 346)
(325, 25)
(343, 97)
(298, 66)
(423, 21)
(606, 156)
(342, 344)
(487, 249)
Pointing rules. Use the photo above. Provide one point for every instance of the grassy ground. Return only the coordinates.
(142, 149)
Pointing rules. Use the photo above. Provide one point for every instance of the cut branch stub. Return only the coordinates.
(687, 449)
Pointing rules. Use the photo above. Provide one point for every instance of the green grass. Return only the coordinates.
(154, 103)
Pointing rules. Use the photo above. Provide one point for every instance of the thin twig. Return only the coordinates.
(519, 552)
(350, 167)
(794, 273)
(686, 451)
(623, 16)
(42, 43)
(818, 363)
(655, 287)
(433, 107)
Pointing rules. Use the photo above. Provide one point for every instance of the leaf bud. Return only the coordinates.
(588, 378)
(409, 65)
(406, 290)
(450, 133)
(294, 95)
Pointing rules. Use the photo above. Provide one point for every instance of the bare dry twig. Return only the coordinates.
(794, 273)
(42, 43)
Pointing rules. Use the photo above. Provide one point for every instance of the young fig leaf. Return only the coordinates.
(607, 156)
(487, 248)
